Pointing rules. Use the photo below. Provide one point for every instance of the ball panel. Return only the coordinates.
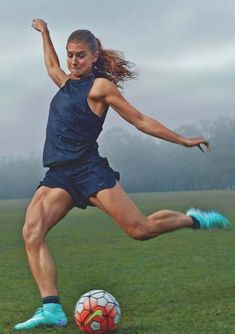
(79, 307)
(95, 325)
(116, 319)
(98, 294)
(82, 299)
(102, 302)
(109, 298)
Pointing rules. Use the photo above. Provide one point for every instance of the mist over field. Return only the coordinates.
(145, 163)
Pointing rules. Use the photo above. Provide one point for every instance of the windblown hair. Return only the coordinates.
(111, 64)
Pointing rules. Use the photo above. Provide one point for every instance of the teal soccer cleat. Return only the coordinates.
(208, 219)
(48, 315)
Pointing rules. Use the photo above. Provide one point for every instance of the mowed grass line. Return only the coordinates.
(181, 282)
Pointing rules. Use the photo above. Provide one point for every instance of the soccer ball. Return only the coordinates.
(97, 312)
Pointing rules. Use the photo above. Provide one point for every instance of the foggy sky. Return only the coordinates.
(184, 52)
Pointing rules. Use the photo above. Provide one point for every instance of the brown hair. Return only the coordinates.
(110, 64)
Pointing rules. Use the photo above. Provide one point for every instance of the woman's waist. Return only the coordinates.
(71, 160)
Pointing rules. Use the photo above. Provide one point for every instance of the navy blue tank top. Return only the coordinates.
(72, 128)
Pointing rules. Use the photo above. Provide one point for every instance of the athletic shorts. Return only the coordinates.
(81, 179)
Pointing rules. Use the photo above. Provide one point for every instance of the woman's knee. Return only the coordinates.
(142, 229)
(32, 232)
(136, 229)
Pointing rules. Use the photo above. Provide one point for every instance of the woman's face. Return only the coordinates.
(80, 59)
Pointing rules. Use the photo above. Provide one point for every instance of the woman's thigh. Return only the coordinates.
(116, 203)
(47, 207)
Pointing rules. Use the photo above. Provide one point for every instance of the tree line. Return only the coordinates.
(145, 163)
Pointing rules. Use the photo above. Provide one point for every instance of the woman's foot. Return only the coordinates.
(48, 315)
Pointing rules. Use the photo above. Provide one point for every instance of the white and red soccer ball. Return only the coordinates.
(97, 312)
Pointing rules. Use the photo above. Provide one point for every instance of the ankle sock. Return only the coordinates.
(196, 223)
(51, 299)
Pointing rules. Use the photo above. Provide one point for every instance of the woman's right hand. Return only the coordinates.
(39, 25)
(202, 144)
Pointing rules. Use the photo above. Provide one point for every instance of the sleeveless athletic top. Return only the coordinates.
(72, 128)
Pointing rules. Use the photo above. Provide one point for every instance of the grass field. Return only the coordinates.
(183, 282)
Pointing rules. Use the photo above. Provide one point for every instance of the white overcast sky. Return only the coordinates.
(184, 51)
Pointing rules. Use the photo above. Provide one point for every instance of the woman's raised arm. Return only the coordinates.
(50, 57)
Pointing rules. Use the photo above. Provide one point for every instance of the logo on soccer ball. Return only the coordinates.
(97, 312)
(94, 314)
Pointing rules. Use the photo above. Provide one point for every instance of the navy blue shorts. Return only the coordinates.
(81, 179)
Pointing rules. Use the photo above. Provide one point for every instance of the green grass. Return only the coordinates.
(182, 282)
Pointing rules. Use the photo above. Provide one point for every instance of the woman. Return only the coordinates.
(77, 175)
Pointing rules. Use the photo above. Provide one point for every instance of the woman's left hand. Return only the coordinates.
(201, 143)
(39, 25)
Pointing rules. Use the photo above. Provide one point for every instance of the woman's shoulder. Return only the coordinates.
(102, 86)
(101, 80)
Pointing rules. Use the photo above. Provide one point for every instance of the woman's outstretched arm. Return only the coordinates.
(50, 57)
(111, 96)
